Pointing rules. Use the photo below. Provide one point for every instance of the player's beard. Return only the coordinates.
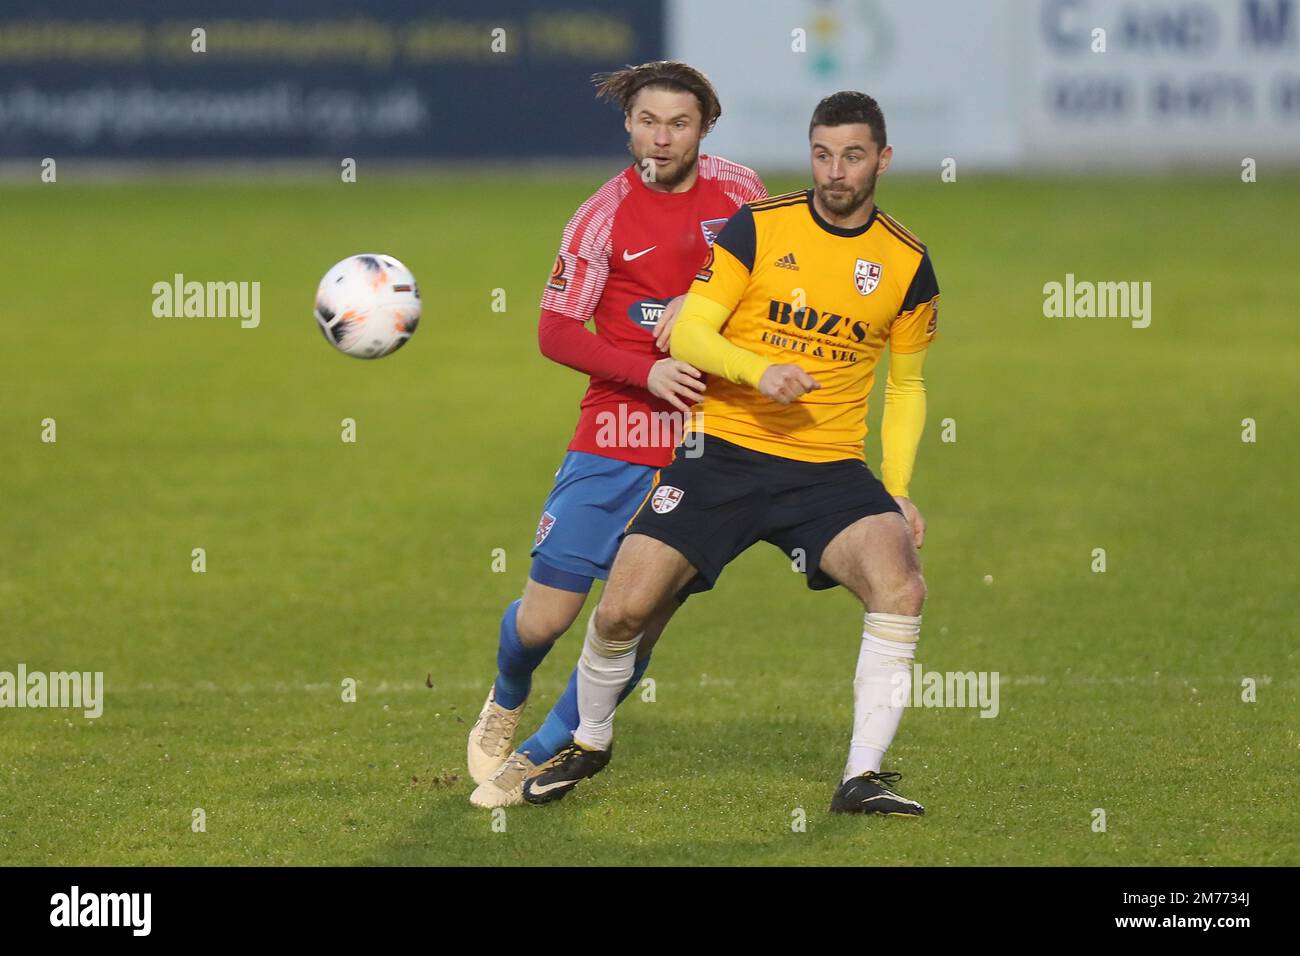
(670, 176)
(846, 203)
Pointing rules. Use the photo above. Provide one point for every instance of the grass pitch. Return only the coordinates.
(373, 561)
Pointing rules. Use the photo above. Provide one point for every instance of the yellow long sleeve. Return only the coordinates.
(697, 339)
(903, 420)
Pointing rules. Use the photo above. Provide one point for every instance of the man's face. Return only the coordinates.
(665, 130)
(845, 165)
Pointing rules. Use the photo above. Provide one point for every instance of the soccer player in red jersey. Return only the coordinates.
(634, 246)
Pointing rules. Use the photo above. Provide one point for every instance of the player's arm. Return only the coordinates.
(697, 338)
(567, 341)
(697, 335)
(575, 286)
(903, 422)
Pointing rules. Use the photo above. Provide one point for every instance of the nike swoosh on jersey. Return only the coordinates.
(627, 258)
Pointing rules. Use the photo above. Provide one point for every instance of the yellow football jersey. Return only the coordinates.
(822, 297)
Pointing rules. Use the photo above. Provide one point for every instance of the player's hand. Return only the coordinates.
(914, 520)
(678, 384)
(786, 383)
(667, 319)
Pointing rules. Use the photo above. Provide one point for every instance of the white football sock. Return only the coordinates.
(884, 672)
(604, 669)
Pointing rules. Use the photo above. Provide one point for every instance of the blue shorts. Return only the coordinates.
(583, 519)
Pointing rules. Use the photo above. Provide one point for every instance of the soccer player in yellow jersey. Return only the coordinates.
(789, 317)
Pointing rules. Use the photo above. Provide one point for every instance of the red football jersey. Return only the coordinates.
(626, 252)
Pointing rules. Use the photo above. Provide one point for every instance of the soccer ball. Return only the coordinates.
(368, 305)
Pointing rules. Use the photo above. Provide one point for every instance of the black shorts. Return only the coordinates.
(714, 506)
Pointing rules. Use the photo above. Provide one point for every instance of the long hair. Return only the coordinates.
(622, 86)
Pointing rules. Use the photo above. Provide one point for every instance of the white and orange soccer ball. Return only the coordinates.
(368, 305)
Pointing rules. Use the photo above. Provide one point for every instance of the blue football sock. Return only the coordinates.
(556, 731)
(515, 662)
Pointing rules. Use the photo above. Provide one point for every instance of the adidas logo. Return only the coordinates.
(787, 262)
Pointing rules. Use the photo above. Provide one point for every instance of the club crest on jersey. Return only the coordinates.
(665, 499)
(543, 528)
(866, 276)
(711, 228)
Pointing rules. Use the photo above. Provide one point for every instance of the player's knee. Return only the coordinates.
(912, 593)
(620, 619)
(903, 595)
(541, 625)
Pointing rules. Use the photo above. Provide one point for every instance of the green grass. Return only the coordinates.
(374, 561)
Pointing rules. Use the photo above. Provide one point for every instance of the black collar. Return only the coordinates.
(839, 230)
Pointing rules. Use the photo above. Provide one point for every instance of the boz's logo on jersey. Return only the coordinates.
(809, 319)
(866, 276)
(665, 499)
(543, 528)
(646, 313)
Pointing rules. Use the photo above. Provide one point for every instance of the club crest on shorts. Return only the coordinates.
(866, 276)
(544, 528)
(665, 499)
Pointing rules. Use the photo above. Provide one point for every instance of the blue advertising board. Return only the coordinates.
(396, 79)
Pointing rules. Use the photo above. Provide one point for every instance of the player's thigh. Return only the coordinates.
(702, 512)
(647, 574)
(876, 559)
(589, 506)
(547, 612)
